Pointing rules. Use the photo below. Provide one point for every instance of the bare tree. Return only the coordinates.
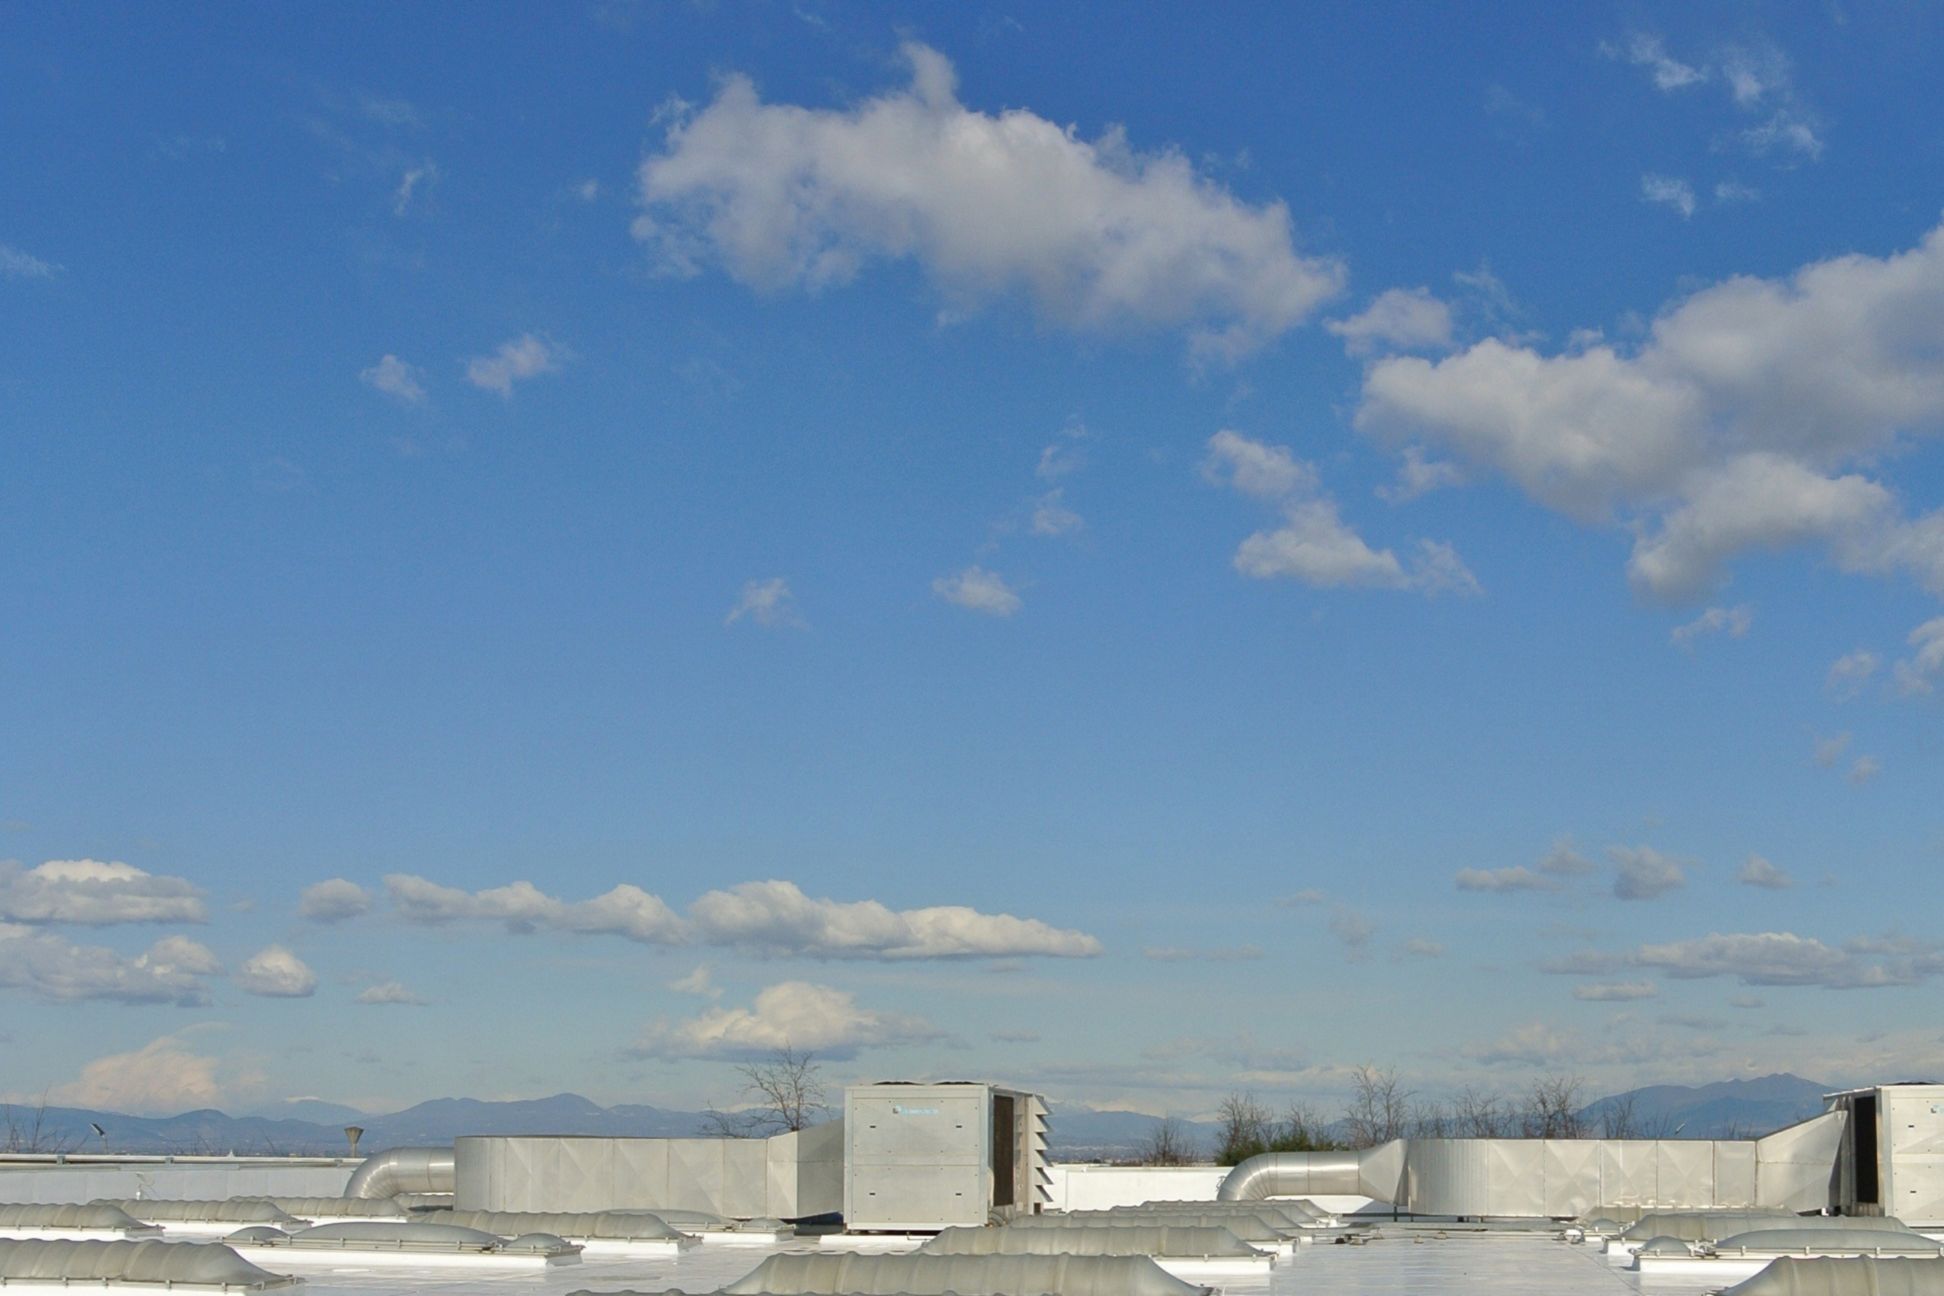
(1432, 1119)
(1167, 1144)
(1478, 1114)
(787, 1094)
(1617, 1117)
(1552, 1108)
(1379, 1109)
(27, 1131)
(1303, 1131)
(1246, 1129)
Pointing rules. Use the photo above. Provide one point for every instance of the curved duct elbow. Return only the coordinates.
(403, 1170)
(1374, 1172)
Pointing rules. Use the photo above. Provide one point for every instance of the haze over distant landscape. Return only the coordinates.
(560, 550)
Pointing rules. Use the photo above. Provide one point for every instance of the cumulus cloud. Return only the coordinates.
(770, 918)
(1098, 234)
(1731, 621)
(1255, 467)
(524, 357)
(1402, 319)
(170, 971)
(777, 918)
(768, 603)
(1830, 750)
(978, 590)
(162, 1077)
(275, 973)
(792, 1015)
(1643, 873)
(1052, 517)
(1918, 672)
(1850, 672)
(1758, 872)
(625, 911)
(1749, 418)
(1668, 191)
(1313, 544)
(395, 379)
(94, 893)
(388, 992)
(1417, 475)
(334, 900)
(15, 264)
(1563, 861)
(1517, 877)
(1863, 769)
(1616, 991)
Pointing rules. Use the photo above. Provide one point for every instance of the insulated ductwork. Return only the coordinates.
(1374, 1172)
(403, 1170)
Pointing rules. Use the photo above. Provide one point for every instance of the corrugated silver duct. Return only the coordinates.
(1373, 1172)
(403, 1170)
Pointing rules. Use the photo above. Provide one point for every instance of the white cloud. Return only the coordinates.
(1314, 545)
(1616, 991)
(414, 185)
(769, 603)
(1353, 931)
(1302, 899)
(1918, 672)
(1669, 191)
(1732, 191)
(1563, 861)
(1402, 319)
(700, 982)
(1863, 769)
(1417, 475)
(171, 971)
(396, 379)
(1830, 750)
(978, 590)
(524, 357)
(1746, 420)
(1787, 959)
(1731, 621)
(1514, 878)
(777, 918)
(1848, 673)
(275, 973)
(1052, 517)
(95, 893)
(334, 900)
(1098, 234)
(1643, 873)
(1758, 872)
(162, 1077)
(794, 1015)
(772, 918)
(625, 911)
(15, 264)
(1644, 49)
(1255, 467)
(1419, 947)
(389, 992)
(588, 190)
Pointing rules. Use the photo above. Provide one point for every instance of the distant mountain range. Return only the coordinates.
(1729, 1108)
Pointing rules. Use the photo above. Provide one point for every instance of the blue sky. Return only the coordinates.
(559, 549)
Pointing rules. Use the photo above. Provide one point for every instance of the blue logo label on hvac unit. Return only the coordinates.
(913, 1111)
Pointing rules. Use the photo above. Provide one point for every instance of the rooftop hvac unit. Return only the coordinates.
(919, 1158)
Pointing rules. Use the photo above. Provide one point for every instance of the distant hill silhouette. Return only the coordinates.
(1727, 1108)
